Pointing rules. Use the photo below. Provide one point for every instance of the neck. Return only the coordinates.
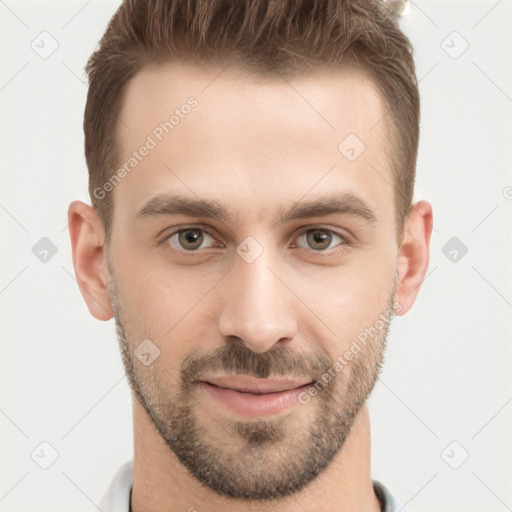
(161, 482)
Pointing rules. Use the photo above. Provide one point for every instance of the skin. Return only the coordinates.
(254, 146)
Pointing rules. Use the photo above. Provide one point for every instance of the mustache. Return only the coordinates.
(237, 358)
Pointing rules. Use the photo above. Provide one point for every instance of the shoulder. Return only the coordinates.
(388, 502)
(117, 496)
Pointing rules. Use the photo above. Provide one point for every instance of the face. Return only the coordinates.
(252, 267)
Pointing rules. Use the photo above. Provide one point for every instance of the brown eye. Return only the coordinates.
(321, 239)
(189, 239)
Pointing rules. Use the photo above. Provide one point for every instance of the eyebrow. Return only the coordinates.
(339, 203)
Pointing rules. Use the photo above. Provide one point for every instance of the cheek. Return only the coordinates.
(160, 291)
(173, 307)
(348, 298)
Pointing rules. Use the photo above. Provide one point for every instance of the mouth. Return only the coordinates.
(255, 386)
(249, 396)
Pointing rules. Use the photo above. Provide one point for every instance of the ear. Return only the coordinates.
(414, 255)
(89, 259)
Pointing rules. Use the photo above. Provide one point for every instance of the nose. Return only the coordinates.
(257, 306)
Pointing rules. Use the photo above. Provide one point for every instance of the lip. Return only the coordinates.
(249, 396)
(247, 384)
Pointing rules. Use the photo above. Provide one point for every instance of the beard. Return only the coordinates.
(263, 458)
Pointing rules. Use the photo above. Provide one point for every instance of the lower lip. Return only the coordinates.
(248, 404)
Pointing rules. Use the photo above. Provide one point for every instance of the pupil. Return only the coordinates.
(320, 237)
(191, 237)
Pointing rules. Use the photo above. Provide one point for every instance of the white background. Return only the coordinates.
(447, 373)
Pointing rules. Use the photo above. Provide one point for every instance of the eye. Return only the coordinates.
(321, 239)
(189, 239)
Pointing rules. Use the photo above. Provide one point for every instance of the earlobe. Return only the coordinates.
(87, 235)
(414, 255)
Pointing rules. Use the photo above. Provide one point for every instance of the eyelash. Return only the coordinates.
(323, 252)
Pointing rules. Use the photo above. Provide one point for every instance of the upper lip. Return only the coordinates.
(248, 384)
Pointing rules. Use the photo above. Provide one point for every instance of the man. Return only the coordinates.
(251, 169)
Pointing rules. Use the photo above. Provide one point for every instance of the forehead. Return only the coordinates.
(251, 141)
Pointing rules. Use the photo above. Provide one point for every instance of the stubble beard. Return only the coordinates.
(252, 459)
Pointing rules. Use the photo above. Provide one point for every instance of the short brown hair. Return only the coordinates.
(265, 37)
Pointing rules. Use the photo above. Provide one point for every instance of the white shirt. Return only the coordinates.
(117, 497)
